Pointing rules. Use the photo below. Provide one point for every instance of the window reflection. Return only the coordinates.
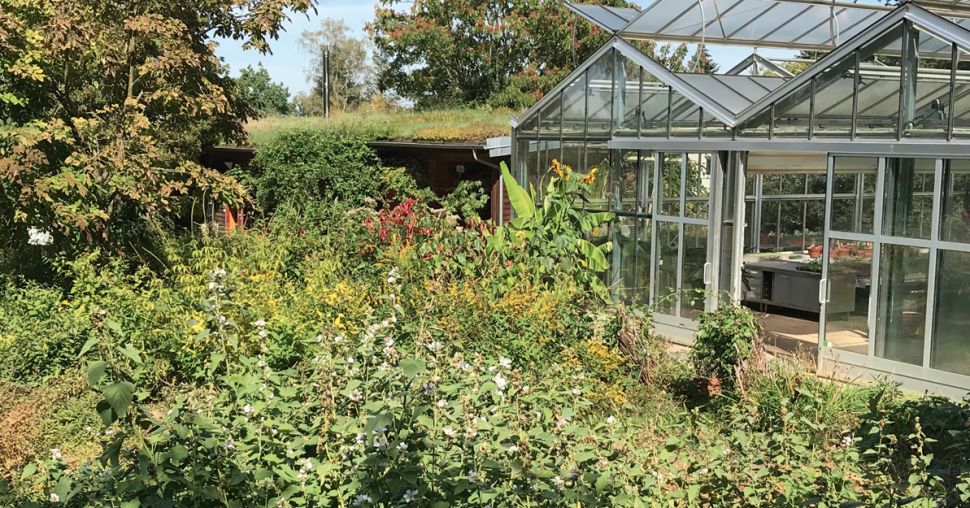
(951, 342)
(901, 305)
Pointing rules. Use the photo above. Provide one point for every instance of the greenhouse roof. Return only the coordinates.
(811, 25)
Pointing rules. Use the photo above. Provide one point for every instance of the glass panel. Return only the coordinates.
(792, 238)
(853, 203)
(951, 343)
(670, 202)
(647, 161)
(527, 161)
(879, 88)
(573, 153)
(714, 128)
(695, 257)
(625, 180)
(624, 269)
(654, 107)
(961, 96)
(792, 114)
(528, 127)
(907, 207)
(668, 236)
(600, 96)
(901, 306)
(757, 126)
(833, 99)
(574, 108)
(643, 260)
(598, 156)
(684, 117)
(769, 226)
(847, 311)
(926, 116)
(626, 97)
(548, 151)
(550, 118)
(698, 185)
(955, 219)
(771, 185)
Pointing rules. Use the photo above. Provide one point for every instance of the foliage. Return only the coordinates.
(467, 199)
(257, 89)
(352, 79)
(108, 107)
(303, 168)
(552, 236)
(725, 337)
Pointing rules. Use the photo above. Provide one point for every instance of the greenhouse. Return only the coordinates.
(832, 190)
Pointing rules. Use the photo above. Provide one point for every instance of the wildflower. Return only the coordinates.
(472, 477)
(222, 320)
(434, 346)
(262, 334)
(381, 442)
(302, 476)
(218, 273)
(362, 499)
(428, 388)
(380, 430)
(307, 465)
(505, 362)
(274, 431)
(561, 423)
(230, 445)
(350, 359)
(338, 338)
(558, 169)
(388, 342)
(319, 338)
(410, 496)
(611, 420)
(55, 498)
(391, 280)
(450, 432)
(526, 390)
(442, 403)
(110, 433)
(261, 364)
(590, 177)
(212, 286)
(402, 446)
(55, 454)
(512, 449)
(260, 323)
(576, 391)
(385, 366)
(847, 441)
(281, 503)
(499, 381)
(355, 396)
(360, 438)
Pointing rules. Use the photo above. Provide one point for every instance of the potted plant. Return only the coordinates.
(815, 251)
(863, 250)
(839, 251)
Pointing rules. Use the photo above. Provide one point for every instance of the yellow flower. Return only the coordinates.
(590, 177)
(557, 168)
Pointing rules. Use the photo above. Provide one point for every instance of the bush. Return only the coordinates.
(306, 169)
(725, 337)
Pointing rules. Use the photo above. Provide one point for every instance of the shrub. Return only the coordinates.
(308, 168)
(725, 337)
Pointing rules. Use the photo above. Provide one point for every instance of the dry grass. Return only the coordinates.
(446, 126)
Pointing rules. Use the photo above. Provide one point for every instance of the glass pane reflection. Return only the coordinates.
(901, 305)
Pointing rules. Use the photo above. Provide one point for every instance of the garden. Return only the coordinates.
(364, 345)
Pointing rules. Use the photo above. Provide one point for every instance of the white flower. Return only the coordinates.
(212, 286)
(472, 477)
(385, 366)
(505, 362)
(281, 502)
(561, 423)
(350, 359)
(274, 431)
(500, 381)
(261, 364)
(847, 441)
(389, 342)
(55, 454)
(512, 449)
(381, 442)
(428, 388)
(391, 280)
(219, 272)
(247, 409)
(576, 391)
(611, 420)
(222, 320)
(442, 403)
(360, 438)
(230, 445)
(262, 334)
(55, 498)
(450, 432)
(110, 432)
(338, 338)
(410, 496)
(260, 323)
(38, 236)
(362, 499)
(308, 465)
(355, 396)
(319, 338)
(434, 346)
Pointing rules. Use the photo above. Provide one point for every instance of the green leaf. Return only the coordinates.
(119, 396)
(87, 346)
(523, 205)
(28, 471)
(63, 488)
(134, 503)
(114, 326)
(381, 420)
(132, 353)
(95, 371)
(594, 257)
(412, 367)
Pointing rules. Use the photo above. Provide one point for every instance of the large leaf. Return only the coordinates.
(119, 396)
(412, 367)
(95, 371)
(131, 352)
(594, 256)
(87, 346)
(523, 205)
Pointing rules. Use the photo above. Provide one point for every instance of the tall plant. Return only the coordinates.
(554, 234)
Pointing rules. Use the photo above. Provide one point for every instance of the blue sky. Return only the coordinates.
(287, 63)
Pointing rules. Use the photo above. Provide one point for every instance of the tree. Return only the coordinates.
(259, 92)
(108, 105)
(351, 73)
(474, 52)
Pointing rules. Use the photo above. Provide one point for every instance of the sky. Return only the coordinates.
(288, 61)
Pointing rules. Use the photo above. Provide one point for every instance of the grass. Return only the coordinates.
(445, 126)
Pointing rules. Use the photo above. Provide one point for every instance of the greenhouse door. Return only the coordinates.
(684, 243)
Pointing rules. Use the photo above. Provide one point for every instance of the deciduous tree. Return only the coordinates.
(351, 71)
(257, 89)
(108, 104)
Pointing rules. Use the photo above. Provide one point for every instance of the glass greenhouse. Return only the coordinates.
(835, 191)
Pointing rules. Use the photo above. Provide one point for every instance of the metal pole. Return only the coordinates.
(326, 81)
